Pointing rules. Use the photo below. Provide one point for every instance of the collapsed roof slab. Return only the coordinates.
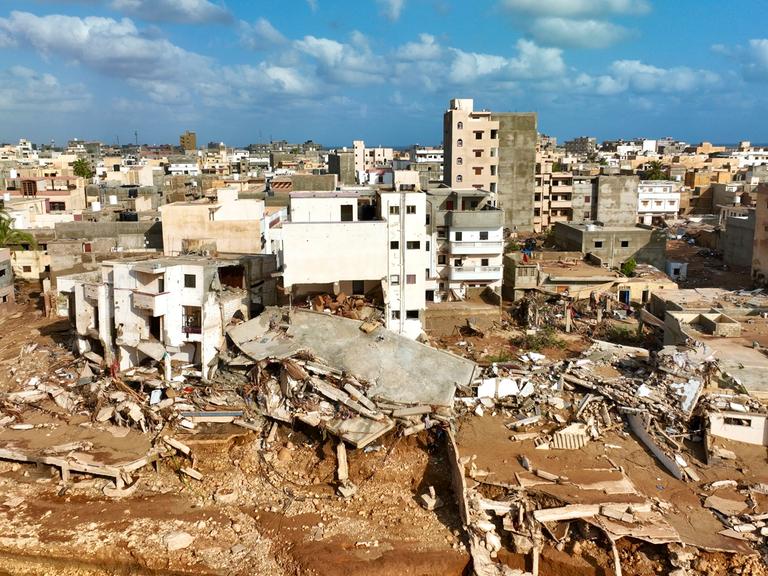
(398, 368)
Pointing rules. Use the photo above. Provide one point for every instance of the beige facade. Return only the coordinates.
(188, 140)
(471, 143)
(760, 242)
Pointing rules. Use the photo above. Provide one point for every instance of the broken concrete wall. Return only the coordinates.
(739, 426)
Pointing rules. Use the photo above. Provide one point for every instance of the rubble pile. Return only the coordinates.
(352, 307)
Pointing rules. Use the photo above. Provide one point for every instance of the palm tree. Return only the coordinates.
(10, 236)
(654, 171)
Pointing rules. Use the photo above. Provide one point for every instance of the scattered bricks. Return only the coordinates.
(176, 445)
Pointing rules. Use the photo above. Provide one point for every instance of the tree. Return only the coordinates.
(10, 236)
(654, 171)
(82, 168)
(628, 268)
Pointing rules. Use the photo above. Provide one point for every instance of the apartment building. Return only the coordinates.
(493, 151)
(188, 140)
(342, 163)
(174, 308)
(760, 241)
(657, 201)
(60, 193)
(553, 195)
(468, 235)
(581, 146)
(369, 158)
(361, 241)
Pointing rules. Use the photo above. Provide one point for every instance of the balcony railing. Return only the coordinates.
(475, 273)
(481, 247)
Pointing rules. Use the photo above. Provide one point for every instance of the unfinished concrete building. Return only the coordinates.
(6, 277)
(342, 164)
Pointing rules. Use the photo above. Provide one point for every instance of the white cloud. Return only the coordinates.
(343, 63)
(578, 33)
(23, 89)
(182, 11)
(312, 5)
(391, 9)
(425, 49)
(112, 47)
(260, 35)
(534, 61)
(636, 77)
(755, 65)
(577, 8)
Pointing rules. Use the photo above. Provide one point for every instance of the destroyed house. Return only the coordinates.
(132, 311)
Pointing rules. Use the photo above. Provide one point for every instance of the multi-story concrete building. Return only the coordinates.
(581, 146)
(342, 163)
(61, 193)
(492, 151)
(7, 295)
(760, 240)
(657, 201)
(361, 241)
(175, 308)
(188, 141)
(368, 158)
(553, 197)
(467, 234)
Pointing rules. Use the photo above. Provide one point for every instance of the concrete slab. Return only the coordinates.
(399, 369)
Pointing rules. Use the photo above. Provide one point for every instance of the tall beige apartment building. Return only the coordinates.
(492, 151)
(188, 140)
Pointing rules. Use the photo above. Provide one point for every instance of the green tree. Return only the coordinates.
(654, 171)
(628, 268)
(82, 168)
(10, 236)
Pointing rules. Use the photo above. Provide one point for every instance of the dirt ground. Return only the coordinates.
(256, 511)
(705, 272)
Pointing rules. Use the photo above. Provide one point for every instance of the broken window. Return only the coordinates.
(190, 281)
(191, 319)
(413, 244)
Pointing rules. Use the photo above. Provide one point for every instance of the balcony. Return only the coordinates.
(157, 304)
(475, 273)
(483, 247)
(561, 203)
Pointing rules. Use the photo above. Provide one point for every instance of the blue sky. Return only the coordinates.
(243, 71)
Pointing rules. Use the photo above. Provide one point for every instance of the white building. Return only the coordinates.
(468, 233)
(175, 307)
(183, 167)
(658, 200)
(360, 241)
(367, 159)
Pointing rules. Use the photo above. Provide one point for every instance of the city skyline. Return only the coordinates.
(381, 70)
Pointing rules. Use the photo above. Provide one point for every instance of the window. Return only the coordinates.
(586, 215)
(395, 314)
(459, 161)
(412, 314)
(160, 285)
(537, 212)
(478, 153)
(478, 134)
(2, 272)
(493, 169)
(191, 319)
(429, 219)
(460, 126)
(493, 186)
(483, 261)
(493, 152)
(87, 247)
(394, 279)
(4, 300)
(25, 269)
(346, 213)
(190, 281)
(587, 199)
(459, 178)
(57, 206)
(441, 259)
(427, 246)
(426, 273)
(483, 235)
(441, 233)
(598, 243)
(449, 204)
(410, 278)
(457, 262)
(457, 236)
(394, 210)
(394, 245)
(410, 209)
(358, 286)
(494, 134)
(737, 421)
(413, 244)
(478, 170)
(537, 197)
(459, 143)
(625, 243)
